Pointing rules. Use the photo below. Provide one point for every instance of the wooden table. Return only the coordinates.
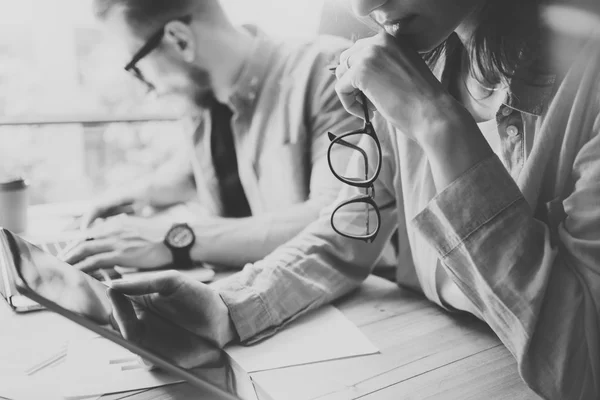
(425, 354)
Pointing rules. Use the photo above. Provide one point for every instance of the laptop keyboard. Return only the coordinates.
(54, 248)
(57, 249)
(105, 275)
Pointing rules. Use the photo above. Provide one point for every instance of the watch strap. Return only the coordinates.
(182, 258)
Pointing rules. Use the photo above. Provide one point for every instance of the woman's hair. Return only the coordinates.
(507, 36)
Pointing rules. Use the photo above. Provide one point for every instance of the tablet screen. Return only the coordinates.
(70, 289)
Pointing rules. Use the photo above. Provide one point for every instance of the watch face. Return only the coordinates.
(180, 237)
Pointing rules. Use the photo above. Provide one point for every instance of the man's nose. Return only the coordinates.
(362, 8)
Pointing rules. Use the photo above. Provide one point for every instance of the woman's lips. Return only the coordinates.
(399, 26)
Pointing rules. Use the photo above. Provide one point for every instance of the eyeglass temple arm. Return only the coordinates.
(153, 42)
(365, 106)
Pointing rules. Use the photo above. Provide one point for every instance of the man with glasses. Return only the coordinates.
(259, 155)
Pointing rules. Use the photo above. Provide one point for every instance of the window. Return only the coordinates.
(71, 121)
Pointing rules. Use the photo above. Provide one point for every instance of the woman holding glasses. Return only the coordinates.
(481, 147)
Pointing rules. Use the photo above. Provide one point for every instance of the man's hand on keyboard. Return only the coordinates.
(127, 242)
(109, 205)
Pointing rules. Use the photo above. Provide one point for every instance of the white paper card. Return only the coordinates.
(18, 355)
(32, 388)
(98, 366)
(322, 335)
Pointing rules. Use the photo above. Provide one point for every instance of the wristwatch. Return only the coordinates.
(180, 240)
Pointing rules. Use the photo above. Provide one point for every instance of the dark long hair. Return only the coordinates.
(507, 36)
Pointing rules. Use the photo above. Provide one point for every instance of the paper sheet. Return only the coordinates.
(17, 355)
(98, 366)
(32, 388)
(323, 335)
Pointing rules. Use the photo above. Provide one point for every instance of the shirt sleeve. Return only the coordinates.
(536, 286)
(311, 270)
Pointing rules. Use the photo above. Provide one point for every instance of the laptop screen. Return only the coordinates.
(78, 293)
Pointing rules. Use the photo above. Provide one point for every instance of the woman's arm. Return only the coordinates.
(538, 289)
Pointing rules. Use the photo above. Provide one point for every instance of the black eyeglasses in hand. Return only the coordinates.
(342, 219)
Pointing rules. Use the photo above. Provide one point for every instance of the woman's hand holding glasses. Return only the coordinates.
(397, 83)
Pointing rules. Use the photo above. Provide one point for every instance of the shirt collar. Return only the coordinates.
(530, 90)
(253, 73)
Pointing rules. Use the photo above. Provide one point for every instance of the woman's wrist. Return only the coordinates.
(453, 143)
(449, 127)
(442, 119)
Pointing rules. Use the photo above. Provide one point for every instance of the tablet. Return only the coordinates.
(75, 295)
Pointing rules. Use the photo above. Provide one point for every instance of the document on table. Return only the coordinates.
(98, 366)
(32, 388)
(322, 335)
(19, 356)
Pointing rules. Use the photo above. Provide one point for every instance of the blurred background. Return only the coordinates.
(73, 122)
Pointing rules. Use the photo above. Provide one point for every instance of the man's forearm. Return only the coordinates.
(236, 242)
(164, 192)
(173, 183)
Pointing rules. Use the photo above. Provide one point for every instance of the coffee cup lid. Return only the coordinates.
(13, 183)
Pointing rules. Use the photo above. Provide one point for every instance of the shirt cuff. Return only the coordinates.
(247, 310)
(468, 203)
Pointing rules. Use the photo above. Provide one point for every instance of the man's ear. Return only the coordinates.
(180, 38)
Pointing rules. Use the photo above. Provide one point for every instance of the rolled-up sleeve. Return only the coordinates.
(312, 269)
(537, 286)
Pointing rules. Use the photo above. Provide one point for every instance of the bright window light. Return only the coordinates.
(281, 18)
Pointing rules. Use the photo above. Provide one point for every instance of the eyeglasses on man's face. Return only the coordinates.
(362, 175)
(151, 44)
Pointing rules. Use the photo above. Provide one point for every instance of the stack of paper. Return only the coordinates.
(32, 388)
(26, 356)
(98, 366)
(323, 335)
(30, 369)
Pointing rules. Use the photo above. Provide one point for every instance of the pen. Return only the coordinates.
(54, 359)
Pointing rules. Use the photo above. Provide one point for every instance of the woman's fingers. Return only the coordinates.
(163, 283)
(346, 56)
(352, 98)
(125, 316)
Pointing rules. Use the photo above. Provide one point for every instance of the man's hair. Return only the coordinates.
(149, 15)
(508, 36)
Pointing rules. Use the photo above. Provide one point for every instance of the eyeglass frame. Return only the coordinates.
(368, 184)
(151, 44)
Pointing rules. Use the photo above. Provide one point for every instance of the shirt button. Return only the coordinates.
(506, 111)
(512, 131)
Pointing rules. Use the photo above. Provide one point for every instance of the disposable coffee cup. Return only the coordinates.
(14, 202)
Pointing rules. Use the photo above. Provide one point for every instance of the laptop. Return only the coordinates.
(65, 290)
